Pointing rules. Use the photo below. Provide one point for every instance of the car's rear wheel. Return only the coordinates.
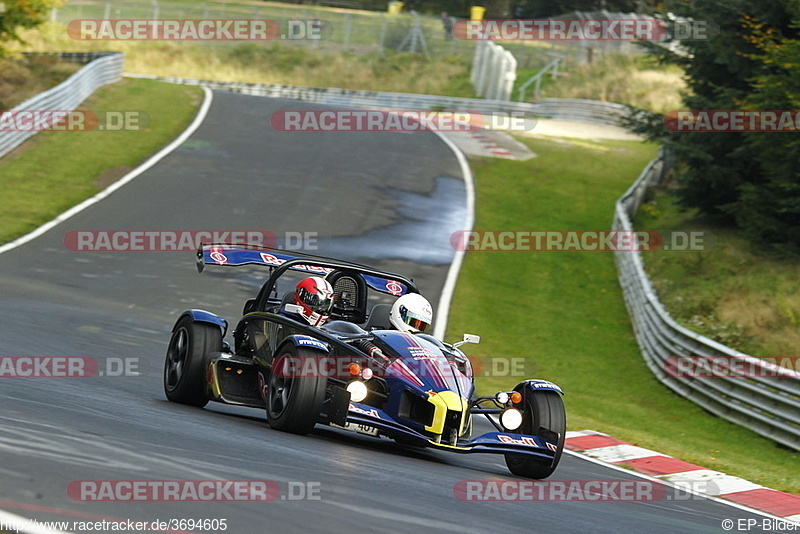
(544, 415)
(187, 359)
(294, 401)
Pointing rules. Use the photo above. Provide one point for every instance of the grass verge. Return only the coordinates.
(25, 77)
(634, 80)
(54, 171)
(729, 291)
(563, 311)
(276, 63)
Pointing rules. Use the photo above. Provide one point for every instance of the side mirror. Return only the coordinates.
(468, 338)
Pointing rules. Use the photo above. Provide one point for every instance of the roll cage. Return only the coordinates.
(351, 281)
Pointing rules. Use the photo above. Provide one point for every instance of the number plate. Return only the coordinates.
(360, 428)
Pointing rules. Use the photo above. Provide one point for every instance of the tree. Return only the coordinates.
(16, 14)
(769, 206)
(751, 63)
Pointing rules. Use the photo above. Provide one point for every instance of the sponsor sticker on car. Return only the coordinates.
(372, 412)
(313, 343)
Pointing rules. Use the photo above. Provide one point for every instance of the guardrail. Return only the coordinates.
(576, 109)
(101, 68)
(756, 399)
(555, 108)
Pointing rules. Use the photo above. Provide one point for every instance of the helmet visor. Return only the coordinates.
(319, 303)
(414, 321)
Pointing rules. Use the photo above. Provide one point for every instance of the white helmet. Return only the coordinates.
(411, 313)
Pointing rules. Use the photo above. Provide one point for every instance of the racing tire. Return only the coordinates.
(187, 360)
(294, 402)
(544, 414)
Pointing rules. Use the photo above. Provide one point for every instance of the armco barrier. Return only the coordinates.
(766, 404)
(557, 108)
(100, 68)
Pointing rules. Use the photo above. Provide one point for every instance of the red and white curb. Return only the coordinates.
(610, 450)
(493, 149)
(491, 144)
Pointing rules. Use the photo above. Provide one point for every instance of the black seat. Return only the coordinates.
(349, 296)
(379, 318)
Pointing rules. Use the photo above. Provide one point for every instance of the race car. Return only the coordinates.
(356, 371)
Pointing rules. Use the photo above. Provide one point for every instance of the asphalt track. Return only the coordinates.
(389, 199)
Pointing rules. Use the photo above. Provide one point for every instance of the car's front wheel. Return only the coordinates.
(294, 401)
(187, 359)
(544, 415)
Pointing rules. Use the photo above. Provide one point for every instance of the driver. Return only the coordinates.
(411, 313)
(314, 295)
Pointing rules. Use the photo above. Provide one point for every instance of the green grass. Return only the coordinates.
(730, 291)
(563, 311)
(56, 170)
(631, 80)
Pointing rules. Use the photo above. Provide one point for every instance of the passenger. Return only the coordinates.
(314, 295)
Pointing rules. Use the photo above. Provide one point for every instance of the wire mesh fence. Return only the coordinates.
(354, 30)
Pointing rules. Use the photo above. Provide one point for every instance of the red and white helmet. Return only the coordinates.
(411, 313)
(315, 296)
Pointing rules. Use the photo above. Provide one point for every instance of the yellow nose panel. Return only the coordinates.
(443, 401)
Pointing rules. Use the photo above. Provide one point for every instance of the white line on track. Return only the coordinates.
(198, 120)
(443, 310)
(161, 154)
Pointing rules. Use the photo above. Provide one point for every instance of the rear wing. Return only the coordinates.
(233, 255)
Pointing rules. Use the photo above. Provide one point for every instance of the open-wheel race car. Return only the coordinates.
(344, 347)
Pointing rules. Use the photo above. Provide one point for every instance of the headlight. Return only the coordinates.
(358, 390)
(515, 397)
(511, 418)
